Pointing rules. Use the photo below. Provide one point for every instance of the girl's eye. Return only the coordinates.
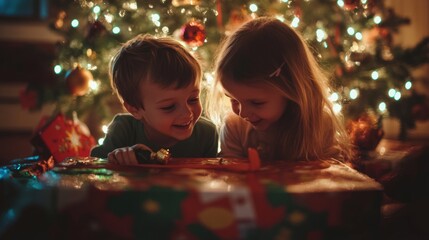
(258, 103)
(194, 100)
(168, 108)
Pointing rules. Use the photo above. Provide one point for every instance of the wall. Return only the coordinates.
(408, 36)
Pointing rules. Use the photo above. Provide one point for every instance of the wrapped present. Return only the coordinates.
(62, 138)
(282, 200)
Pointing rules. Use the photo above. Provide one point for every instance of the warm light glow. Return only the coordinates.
(116, 30)
(133, 5)
(93, 85)
(104, 128)
(96, 9)
(408, 85)
(377, 19)
(354, 93)
(382, 107)
(253, 7)
(57, 69)
(397, 96)
(334, 97)
(358, 36)
(108, 17)
(337, 108)
(155, 19)
(392, 92)
(320, 35)
(165, 30)
(74, 23)
(295, 22)
(325, 44)
(350, 31)
(374, 75)
(340, 3)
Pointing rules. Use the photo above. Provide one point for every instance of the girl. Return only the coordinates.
(278, 95)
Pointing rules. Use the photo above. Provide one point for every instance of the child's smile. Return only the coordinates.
(171, 112)
(259, 104)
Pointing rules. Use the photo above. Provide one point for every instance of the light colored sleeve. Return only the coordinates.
(231, 138)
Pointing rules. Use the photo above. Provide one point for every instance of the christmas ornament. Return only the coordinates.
(181, 3)
(350, 5)
(193, 33)
(365, 132)
(77, 81)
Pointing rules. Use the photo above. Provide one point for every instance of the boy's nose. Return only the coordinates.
(186, 111)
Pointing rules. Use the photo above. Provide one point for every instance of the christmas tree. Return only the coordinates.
(351, 39)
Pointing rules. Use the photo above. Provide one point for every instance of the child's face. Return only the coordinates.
(170, 114)
(259, 104)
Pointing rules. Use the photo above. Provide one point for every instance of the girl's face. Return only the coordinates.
(260, 104)
(170, 114)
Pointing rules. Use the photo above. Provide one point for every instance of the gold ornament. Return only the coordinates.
(77, 81)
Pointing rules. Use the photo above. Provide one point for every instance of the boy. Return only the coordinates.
(158, 82)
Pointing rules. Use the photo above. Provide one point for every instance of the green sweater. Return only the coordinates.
(126, 131)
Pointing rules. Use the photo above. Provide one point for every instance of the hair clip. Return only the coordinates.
(276, 73)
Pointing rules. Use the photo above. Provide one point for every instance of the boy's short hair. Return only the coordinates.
(162, 60)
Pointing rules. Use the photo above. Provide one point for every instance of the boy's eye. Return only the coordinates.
(169, 108)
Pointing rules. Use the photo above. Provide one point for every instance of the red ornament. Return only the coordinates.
(193, 33)
(77, 81)
(350, 5)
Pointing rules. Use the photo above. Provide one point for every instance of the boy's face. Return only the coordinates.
(170, 114)
(259, 104)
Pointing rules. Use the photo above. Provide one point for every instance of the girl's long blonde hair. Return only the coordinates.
(265, 49)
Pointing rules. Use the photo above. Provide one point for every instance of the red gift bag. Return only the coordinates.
(62, 138)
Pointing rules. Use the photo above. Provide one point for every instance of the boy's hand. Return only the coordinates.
(123, 156)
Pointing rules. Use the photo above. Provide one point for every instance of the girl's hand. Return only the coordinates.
(123, 156)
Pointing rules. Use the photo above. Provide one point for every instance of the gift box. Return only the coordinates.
(62, 138)
(299, 200)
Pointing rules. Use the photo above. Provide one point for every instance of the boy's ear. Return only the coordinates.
(136, 112)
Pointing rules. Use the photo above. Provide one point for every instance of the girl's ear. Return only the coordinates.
(136, 112)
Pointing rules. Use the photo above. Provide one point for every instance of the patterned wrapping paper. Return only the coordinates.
(304, 200)
(61, 138)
